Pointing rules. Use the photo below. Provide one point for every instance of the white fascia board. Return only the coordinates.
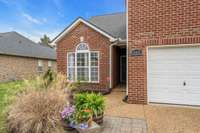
(112, 39)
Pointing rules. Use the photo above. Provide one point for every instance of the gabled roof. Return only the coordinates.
(114, 24)
(12, 43)
(78, 21)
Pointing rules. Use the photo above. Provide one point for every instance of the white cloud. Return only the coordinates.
(34, 20)
(35, 35)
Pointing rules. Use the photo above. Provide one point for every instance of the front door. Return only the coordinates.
(123, 69)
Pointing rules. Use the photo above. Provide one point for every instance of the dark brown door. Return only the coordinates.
(123, 69)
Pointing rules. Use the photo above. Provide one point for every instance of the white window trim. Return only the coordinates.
(40, 64)
(49, 63)
(89, 65)
(84, 52)
(68, 53)
(94, 66)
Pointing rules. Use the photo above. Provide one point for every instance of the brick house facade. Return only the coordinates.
(100, 38)
(17, 68)
(157, 22)
(95, 41)
(21, 58)
(161, 23)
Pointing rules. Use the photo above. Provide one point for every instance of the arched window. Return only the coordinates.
(82, 47)
(83, 64)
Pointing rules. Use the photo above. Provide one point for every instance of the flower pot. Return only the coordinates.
(98, 119)
(89, 122)
(67, 127)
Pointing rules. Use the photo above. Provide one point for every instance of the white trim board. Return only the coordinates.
(127, 50)
(74, 24)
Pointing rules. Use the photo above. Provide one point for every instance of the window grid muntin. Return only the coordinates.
(94, 59)
(82, 59)
(82, 47)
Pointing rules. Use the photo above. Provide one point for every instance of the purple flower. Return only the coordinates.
(67, 112)
(83, 126)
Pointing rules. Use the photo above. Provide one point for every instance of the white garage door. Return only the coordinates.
(174, 75)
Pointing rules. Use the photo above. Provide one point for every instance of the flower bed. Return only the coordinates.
(88, 88)
(48, 105)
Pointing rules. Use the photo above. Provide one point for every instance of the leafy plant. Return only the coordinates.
(49, 77)
(94, 102)
(83, 115)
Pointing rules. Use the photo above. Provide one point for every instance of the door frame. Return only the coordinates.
(121, 80)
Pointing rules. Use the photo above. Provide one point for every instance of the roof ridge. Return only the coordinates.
(42, 45)
(7, 32)
(108, 14)
(18, 45)
(32, 42)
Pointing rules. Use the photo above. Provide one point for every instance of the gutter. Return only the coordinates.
(119, 40)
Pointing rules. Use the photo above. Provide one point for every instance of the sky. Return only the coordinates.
(34, 18)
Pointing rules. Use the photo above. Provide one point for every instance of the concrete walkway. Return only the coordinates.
(160, 119)
(123, 125)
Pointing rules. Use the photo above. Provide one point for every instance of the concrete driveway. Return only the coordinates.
(160, 118)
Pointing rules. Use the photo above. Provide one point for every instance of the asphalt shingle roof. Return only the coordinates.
(114, 24)
(12, 43)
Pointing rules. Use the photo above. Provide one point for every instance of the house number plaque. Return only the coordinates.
(136, 52)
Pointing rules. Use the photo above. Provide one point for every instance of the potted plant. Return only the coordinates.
(94, 102)
(84, 118)
(68, 118)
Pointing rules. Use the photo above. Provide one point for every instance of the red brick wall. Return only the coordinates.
(157, 22)
(95, 41)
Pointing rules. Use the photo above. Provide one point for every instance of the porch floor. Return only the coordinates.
(160, 118)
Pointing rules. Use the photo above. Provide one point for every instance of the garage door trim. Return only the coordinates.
(147, 64)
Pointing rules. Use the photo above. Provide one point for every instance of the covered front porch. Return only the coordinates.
(118, 66)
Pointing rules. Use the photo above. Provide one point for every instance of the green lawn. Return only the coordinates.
(7, 94)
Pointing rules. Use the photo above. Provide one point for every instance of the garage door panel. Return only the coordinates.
(170, 83)
(175, 98)
(174, 75)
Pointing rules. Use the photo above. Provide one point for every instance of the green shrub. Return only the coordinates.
(58, 81)
(49, 77)
(92, 101)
